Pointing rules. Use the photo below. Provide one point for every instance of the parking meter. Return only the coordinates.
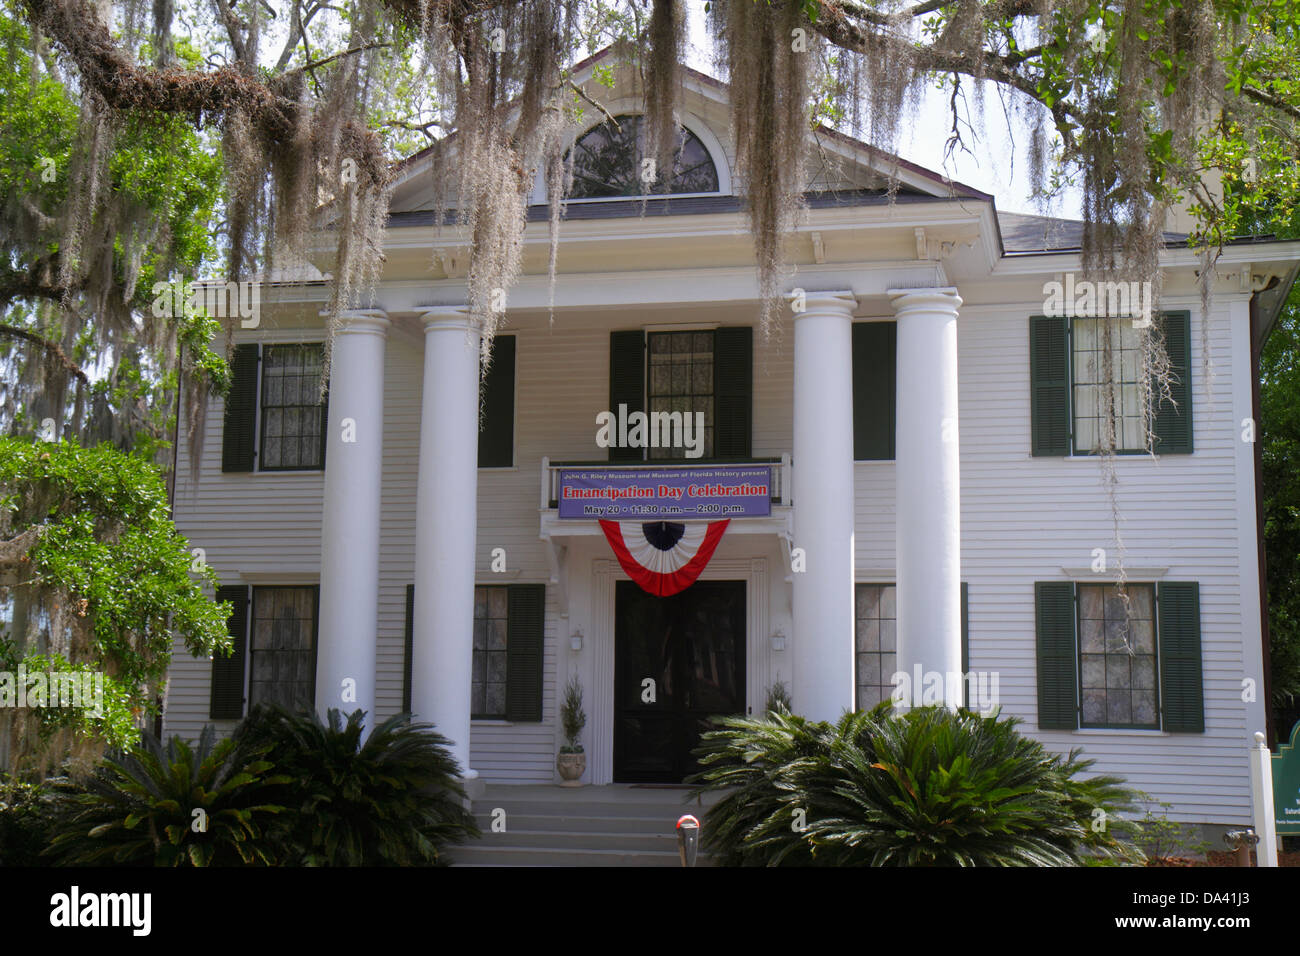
(688, 839)
(1241, 842)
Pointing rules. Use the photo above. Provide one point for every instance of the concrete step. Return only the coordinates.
(574, 823)
(479, 855)
(583, 840)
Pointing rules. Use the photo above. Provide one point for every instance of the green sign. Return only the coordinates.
(1286, 785)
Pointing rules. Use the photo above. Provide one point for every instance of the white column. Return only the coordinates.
(928, 494)
(823, 639)
(349, 562)
(446, 510)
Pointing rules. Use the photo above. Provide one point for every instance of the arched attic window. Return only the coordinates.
(607, 163)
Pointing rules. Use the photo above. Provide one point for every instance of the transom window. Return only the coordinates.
(488, 687)
(293, 415)
(284, 648)
(610, 160)
(1090, 391)
(681, 380)
(1117, 657)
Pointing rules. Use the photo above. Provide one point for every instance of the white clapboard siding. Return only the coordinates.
(1023, 519)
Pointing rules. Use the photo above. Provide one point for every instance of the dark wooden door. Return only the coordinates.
(677, 661)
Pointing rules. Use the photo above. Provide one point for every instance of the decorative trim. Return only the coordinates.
(1112, 574)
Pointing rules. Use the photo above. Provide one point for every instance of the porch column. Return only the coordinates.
(446, 514)
(928, 492)
(823, 505)
(349, 562)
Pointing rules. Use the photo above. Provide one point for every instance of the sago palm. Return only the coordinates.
(172, 806)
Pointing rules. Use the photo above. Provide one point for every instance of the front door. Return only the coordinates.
(677, 661)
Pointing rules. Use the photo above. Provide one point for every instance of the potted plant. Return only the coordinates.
(572, 762)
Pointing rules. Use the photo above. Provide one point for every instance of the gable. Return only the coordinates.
(839, 163)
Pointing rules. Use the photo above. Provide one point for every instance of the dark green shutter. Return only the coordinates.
(496, 437)
(626, 382)
(524, 646)
(1173, 424)
(1057, 667)
(965, 647)
(408, 641)
(238, 439)
(733, 391)
(1180, 657)
(1049, 385)
(874, 378)
(227, 688)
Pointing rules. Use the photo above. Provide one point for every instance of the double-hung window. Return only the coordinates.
(275, 415)
(706, 374)
(509, 650)
(1127, 659)
(1085, 372)
(876, 642)
(274, 633)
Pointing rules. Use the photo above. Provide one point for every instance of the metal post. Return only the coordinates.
(688, 839)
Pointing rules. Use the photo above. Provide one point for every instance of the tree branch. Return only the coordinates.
(53, 348)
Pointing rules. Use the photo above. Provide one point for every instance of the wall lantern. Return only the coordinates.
(575, 640)
(778, 640)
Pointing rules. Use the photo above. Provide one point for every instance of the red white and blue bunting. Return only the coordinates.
(664, 557)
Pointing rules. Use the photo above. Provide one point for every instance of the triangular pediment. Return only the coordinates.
(840, 163)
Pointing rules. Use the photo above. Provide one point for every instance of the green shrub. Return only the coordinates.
(392, 798)
(172, 806)
(927, 788)
(572, 717)
(26, 817)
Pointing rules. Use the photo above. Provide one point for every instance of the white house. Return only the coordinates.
(921, 428)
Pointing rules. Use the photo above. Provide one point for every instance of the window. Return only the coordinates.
(1115, 661)
(274, 414)
(283, 654)
(1117, 657)
(491, 617)
(609, 160)
(293, 414)
(681, 380)
(275, 633)
(1091, 395)
(1069, 394)
(508, 652)
(876, 642)
(709, 371)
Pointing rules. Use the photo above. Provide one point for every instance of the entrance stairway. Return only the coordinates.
(616, 825)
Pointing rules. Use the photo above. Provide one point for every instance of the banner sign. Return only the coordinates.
(1286, 785)
(682, 493)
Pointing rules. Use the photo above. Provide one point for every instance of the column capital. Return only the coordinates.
(925, 300)
(447, 317)
(821, 303)
(370, 321)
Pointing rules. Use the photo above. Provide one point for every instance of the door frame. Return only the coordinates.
(680, 717)
(758, 664)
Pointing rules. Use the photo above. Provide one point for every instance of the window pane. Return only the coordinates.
(291, 407)
(1099, 383)
(876, 643)
(283, 651)
(491, 612)
(681, 381)
(1117, 667)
